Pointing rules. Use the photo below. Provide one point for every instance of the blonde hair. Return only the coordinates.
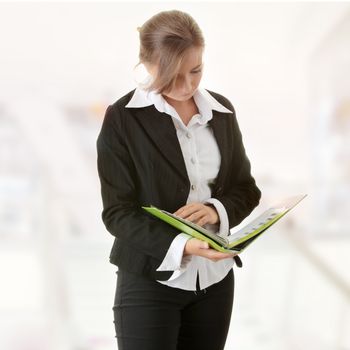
(164, 41)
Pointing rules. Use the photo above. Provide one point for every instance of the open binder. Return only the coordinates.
(236, 241)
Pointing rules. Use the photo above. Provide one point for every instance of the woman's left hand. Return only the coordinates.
(198, 213)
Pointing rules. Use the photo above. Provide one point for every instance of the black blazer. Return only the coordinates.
(140, 162)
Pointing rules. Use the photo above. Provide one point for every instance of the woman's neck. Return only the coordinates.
(185, 109)
(180, 104)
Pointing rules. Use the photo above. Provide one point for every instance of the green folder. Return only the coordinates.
(236, 241)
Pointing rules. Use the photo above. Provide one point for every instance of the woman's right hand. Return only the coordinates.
(195, 246)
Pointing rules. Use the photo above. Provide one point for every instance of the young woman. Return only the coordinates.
(175, 145)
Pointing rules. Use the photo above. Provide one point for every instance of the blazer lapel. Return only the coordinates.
(220, 130)
(160, 128)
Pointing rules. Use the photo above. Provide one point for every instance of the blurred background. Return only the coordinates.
(285, 66)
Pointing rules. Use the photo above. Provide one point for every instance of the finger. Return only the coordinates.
(195, 217)
(204, 245)
(189, 209)
(182, 212)
(196, 213)
(202, 221)
(182, 209)
(179, 211)
(197, 246)
(186, 212)
(214, 254)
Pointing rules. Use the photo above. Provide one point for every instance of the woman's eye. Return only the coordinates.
(197, 71)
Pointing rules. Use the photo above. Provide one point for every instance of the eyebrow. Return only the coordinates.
(197, 66)
(193, 68)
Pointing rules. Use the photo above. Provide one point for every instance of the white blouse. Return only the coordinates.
(202, 160)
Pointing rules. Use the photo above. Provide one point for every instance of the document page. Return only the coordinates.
(261, 222)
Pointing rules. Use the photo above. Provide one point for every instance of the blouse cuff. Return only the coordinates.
(224, 229)
(174, 259)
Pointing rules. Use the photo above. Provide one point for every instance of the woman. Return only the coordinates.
(177, 146)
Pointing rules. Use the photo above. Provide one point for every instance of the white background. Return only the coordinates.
(284, 66)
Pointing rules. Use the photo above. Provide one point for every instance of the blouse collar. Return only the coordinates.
(205, 102)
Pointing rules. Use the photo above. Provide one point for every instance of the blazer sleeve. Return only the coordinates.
(239, 194)
(122, 214)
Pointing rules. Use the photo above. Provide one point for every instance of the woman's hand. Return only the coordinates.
(201, 214)
(198, 213)
(195, 246)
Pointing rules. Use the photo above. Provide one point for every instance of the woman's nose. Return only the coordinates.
(187, 84)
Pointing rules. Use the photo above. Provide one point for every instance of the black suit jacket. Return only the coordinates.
(140, 163)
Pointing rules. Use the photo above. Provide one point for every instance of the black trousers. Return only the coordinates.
(151, 316)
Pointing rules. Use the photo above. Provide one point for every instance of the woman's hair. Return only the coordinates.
(164, 41)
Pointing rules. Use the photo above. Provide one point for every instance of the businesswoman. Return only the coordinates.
(177, 146)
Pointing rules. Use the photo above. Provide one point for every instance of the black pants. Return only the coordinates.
(152, 316)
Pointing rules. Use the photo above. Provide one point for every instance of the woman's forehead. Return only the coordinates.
(192, 59)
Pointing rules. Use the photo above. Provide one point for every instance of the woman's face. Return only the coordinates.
(189, 76)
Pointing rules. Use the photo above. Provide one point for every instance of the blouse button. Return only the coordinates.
(193, 187)
(193, 161)
(188, 135)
